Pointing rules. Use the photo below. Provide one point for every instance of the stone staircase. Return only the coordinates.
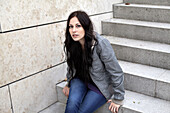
(140, 36)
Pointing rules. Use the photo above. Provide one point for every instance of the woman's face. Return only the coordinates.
(76, 30)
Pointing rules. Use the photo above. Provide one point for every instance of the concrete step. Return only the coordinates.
(140, 103)
(142, 12)
(133, 29)
(153, 2)
(147, 80)
(134, 103)
(142, 52)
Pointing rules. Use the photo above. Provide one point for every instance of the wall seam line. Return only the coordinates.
(0, 28)
(10, 99)
(47, 107)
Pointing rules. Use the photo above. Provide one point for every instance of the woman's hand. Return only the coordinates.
(66, 91)
(113, 107)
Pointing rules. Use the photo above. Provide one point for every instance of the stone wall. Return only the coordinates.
(31, 49)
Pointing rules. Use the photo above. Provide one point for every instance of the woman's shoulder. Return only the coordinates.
(102, 43)
(101, 40)
(98, 37)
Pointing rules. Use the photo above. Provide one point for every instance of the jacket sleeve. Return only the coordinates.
(113, 69)
(68, 75)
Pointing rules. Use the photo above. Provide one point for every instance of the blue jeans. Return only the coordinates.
(81, 99)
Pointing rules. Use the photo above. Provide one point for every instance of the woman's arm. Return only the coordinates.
(113, 68)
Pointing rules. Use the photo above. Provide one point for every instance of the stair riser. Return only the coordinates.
(136, 32)
(162, 90)
(61, 97)
(153, 2)
(147, 86)
(144, 14)
(142, 56)
(139, 84)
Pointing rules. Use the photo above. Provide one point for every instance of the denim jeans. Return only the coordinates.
(81, 99)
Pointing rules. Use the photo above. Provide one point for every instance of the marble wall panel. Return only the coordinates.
(25, 52)
(23, 13)
(5, 106)
(35, 93)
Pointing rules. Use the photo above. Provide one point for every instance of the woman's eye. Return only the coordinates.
(78, 26)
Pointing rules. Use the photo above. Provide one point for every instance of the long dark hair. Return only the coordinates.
(79, 59)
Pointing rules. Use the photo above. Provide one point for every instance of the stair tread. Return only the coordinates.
(145, 104)
(138, 23)
(145, 71)
(153, 46)
(144, 6)
(153, 2)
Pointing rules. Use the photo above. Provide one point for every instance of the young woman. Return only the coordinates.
(94, 75)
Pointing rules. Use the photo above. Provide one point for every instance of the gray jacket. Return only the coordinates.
(105, 72)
